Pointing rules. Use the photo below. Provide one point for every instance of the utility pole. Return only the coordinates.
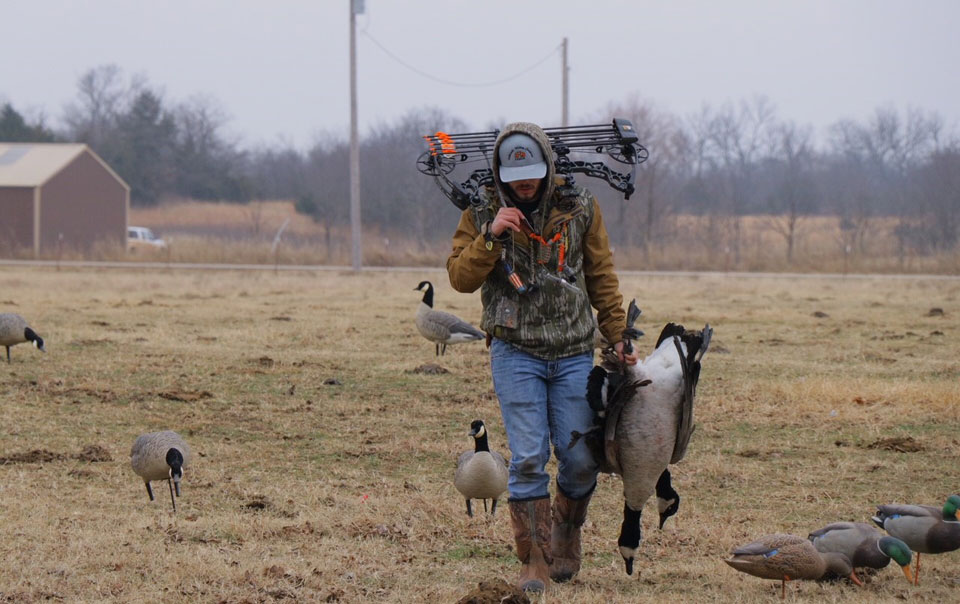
(356, 7)
(565, 111)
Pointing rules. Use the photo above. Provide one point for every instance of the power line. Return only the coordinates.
(460, 84)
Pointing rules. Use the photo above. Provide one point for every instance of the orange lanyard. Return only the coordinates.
(559, 236)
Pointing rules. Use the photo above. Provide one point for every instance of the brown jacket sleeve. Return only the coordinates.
(603, 287)
(470, 261)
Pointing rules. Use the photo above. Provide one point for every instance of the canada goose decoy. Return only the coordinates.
(440, 327)
(863, 544)
(160, 456)
(14, 330)
(925, 528)
(788, 557)
(645, 419)
(481, 473)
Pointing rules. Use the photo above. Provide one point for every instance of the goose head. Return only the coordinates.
(31, 336)
(479, 433)
(175, 461)
(428, 294)
(668, 500)
(477, 429)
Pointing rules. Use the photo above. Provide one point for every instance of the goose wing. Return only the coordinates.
(625, 391)
(697, 344)
(462, 461)
(444, 325)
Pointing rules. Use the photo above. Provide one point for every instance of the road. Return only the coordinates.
(189, 266)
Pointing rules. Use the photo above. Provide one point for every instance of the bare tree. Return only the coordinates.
(939, 185)
(658, 180)
(793, 191)
(879, 156)
(102, 97)
(740, 136)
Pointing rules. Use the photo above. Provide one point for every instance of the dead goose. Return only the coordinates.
(925, 528)
(14, 330)
(864, 545)
(481, 473)
(785, 557)
(645, 417)
(440, 327)
(160, 456)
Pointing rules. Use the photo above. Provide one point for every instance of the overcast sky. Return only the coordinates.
(280, 70)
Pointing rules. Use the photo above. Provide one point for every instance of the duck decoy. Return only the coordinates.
(925, 528)
(784, 557)
(864, 545)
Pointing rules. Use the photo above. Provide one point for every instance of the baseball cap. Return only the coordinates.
(521, 158)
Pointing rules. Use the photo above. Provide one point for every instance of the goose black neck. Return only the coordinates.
(664, 487)
(428, 295)
(30, 335)
(174, 460)
(481, 443)
(630, 529)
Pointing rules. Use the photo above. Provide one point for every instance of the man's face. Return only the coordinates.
(525, 190)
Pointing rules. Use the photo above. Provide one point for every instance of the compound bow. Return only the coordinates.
(618, 141)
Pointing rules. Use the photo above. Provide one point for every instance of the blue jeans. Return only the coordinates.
(542, 402)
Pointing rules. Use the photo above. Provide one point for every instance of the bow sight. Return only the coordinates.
(618, 141)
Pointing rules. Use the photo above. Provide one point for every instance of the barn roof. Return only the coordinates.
(33, 164)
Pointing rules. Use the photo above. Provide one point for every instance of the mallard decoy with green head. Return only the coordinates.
(864, 545)
(925, 528)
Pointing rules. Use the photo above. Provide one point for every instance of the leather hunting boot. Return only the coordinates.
(531, 529)
(568, 516)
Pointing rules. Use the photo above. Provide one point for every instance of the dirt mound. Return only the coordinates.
(90, 454)
(430, 369)
(35, 456)
(900, 444)
(93, 454)
(496, 591)
(183, 396)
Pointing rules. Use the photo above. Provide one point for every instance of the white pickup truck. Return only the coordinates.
(142, 238)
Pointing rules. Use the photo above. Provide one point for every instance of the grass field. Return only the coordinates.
(323, 463)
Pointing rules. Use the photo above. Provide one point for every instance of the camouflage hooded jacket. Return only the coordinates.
(552, 320)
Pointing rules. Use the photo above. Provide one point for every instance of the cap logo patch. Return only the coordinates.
(519, 154)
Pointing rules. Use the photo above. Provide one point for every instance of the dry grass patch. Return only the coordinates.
(325, 444)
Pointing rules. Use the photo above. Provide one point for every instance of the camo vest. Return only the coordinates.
(551, 320)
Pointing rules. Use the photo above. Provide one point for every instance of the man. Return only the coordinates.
(539, 251)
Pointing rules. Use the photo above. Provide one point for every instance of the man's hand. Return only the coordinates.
(506, 218)
(629, 359)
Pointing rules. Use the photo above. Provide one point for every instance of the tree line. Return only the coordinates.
(725, 162)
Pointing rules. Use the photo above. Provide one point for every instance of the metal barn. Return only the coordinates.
(58, 196)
